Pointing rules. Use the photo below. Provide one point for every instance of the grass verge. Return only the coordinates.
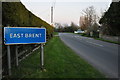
(60, 62)
(82, 34)
(55, 33)
(107, 41)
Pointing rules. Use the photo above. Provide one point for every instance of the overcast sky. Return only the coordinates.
(65, 11)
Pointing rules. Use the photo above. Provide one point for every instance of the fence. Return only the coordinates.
(23, 52)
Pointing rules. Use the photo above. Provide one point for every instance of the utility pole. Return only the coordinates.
(52, 15)
(52, 12)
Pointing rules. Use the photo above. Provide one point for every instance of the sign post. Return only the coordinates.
(24, 35)
(9, 60)
(42, 56)
(16, 55)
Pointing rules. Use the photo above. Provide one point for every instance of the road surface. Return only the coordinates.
(102, 55)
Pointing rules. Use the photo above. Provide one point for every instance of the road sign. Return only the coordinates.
(21, 35)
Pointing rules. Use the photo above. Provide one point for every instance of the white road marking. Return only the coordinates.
(84, 38)
(90, 38)
(76, 36)
(95, 43)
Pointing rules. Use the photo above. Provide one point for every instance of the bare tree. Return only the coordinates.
(90, 14)
(89, 18)
(83, 23)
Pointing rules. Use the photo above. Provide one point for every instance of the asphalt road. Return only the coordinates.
(102, 55)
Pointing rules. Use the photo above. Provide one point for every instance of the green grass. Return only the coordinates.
(107, 41)
(55, 33)
(60, 62)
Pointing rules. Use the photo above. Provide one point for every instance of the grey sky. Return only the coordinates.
(65, 11)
